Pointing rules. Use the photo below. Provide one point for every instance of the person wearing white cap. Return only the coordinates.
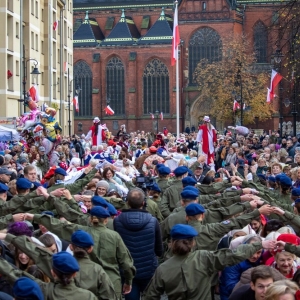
(206, 137)
(97, 132)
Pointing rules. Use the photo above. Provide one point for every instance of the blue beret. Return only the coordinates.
(100, 212)
(111, 209)
(272, 179)
(286, 180)
(262, 176)
(297, 200)
(82, 239)
(60, 171)
(48, 212)
(190, 172)
(190, 193)
(296, 192)
(194, 209)
(188, 181)
(99, 201)
(36, 184)
(26, 288)
(23, 183)
(181, 232)
(65, 263)
(155, 187)
(159, 166)
(277, 177)
(163, 170)
(179, 171)
(3, 188)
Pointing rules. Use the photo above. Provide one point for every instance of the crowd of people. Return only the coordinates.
(143, 215)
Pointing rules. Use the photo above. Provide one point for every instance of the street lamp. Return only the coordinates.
(239, 83)
(35, 72)
(77, 91)
(277, 58)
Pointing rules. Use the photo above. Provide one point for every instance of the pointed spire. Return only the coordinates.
(123, 13)
(162, 12)
(86, 15)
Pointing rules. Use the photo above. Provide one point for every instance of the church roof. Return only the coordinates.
(88, 33)
(124, 33)
(119, 4)
(160, 33)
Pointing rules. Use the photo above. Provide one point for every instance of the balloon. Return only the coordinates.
(52, 129)
(47, 144)
(32, 105)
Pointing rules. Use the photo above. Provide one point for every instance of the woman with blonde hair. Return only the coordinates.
(281, 290)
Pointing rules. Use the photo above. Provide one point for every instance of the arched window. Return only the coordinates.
(83, 76)
(115, 85)
(156, 87)
(260, 42)
(205, 43)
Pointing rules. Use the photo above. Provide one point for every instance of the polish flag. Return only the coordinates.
(34, 93)
(108, 110)
(152, 115)
(55, 25)
(176, 38)
(236, 105)
(161, 115)
(275, 79)
(75, 103)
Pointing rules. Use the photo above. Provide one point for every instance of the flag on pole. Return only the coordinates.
(152, 115)
(108, 110)
(275, 79)
(75, 103)
(55, 25)
(236, 105)
(161, 115)
(176, 38)
(34, 93)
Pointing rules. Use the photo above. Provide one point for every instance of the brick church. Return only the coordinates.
(122, 57)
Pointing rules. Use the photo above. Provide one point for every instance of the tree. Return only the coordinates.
(235, 75)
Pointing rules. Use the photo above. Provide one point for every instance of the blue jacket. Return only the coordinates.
(231, 276)
(141, 235)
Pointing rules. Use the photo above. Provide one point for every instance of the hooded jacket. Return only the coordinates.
(141, 235)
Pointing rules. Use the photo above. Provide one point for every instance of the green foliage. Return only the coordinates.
(219, 81)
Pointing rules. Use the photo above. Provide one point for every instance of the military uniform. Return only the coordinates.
(171, 197)
(210, 234)
(163, 184)
(153, 209)
(51, 290)
(109, 249)
(213, 215)
(189, 276)
(77, 186)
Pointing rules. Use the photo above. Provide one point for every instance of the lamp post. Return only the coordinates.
(35, 72)
(277, 57)
(157, 117)
(239, 83)
(294, 110)
(77, 91)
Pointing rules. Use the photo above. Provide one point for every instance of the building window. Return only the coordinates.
(32, 40)
(115, 85)
(260, 42)
(156, 87)
(36, 9)
(204, 6)
(204, 44)
(84, 77)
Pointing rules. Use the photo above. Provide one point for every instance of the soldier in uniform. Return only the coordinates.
(187, 274)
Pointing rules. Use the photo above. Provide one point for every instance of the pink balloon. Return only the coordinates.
(48, 145)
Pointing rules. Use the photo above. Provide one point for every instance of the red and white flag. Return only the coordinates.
(275, 79)
(108, 110)
(161, 115)
(34, 93)
(75, 103)
(55, 25)
(236, 105)
(152, 115)
(176, 38)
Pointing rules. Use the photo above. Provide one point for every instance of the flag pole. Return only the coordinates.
(177, 81)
